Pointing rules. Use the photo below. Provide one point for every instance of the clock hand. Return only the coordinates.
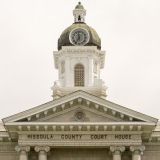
(78, 38)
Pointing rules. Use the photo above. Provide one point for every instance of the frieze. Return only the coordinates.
(80, 136)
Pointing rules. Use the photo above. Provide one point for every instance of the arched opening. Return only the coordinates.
(79, 75)
(79, 18)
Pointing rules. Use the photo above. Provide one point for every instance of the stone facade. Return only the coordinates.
(7, 152)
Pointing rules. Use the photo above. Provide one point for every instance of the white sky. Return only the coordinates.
(130, 34)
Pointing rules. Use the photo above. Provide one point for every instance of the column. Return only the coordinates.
(67, 72)
(42, 152)
(137, 151)
(23, 152)
(90, 74)
(117, 152)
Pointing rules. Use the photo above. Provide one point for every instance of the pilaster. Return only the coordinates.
(90, 78)
(67, 71)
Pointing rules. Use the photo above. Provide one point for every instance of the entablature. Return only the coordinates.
(78, 50)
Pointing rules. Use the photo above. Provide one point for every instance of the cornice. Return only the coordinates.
(117, 107)
(155, 134)
(78, 49)
(82, 132)
(4, 134)
(85, 96)
(79, 123)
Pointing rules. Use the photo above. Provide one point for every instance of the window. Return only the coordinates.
(79, 75)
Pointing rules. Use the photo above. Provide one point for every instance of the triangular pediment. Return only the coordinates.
(79, 113)
(60, 107)
(59, 115)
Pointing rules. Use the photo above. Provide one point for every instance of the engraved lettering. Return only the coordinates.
(116, 136)
(123, 136)
(40, 136)
(73, 136)
(98, 136)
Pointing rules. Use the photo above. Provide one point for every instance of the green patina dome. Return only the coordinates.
(93, 41)
(79, 6)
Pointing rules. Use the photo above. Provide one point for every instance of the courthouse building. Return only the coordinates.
(79, 123)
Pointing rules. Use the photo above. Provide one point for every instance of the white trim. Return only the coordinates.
(85, 96)
(79, 123)
(155, 134)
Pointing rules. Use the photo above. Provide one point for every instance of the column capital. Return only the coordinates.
(138, 150)
(22, 148)
(117, 148)
(42, 148)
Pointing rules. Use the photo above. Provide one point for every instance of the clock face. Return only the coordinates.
(79, 37)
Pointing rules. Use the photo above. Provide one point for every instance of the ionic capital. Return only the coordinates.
(42, 148)
(22, 148)
(138, 150)
(117, 149)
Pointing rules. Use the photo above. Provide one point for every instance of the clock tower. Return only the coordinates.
(79, 59)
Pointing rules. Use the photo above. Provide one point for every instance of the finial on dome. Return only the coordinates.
(79, 6)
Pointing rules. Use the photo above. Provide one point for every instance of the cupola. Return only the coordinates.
(79, 14)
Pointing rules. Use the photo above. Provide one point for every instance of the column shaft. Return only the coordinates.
(42, 155)
(116, 157)
(23, 155)
(136, 157)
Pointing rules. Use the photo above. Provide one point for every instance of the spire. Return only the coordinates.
(79, 13)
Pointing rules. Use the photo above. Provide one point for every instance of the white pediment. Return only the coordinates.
(86, 114)
(90, 102)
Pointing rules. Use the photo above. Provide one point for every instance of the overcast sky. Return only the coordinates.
(129, 32)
